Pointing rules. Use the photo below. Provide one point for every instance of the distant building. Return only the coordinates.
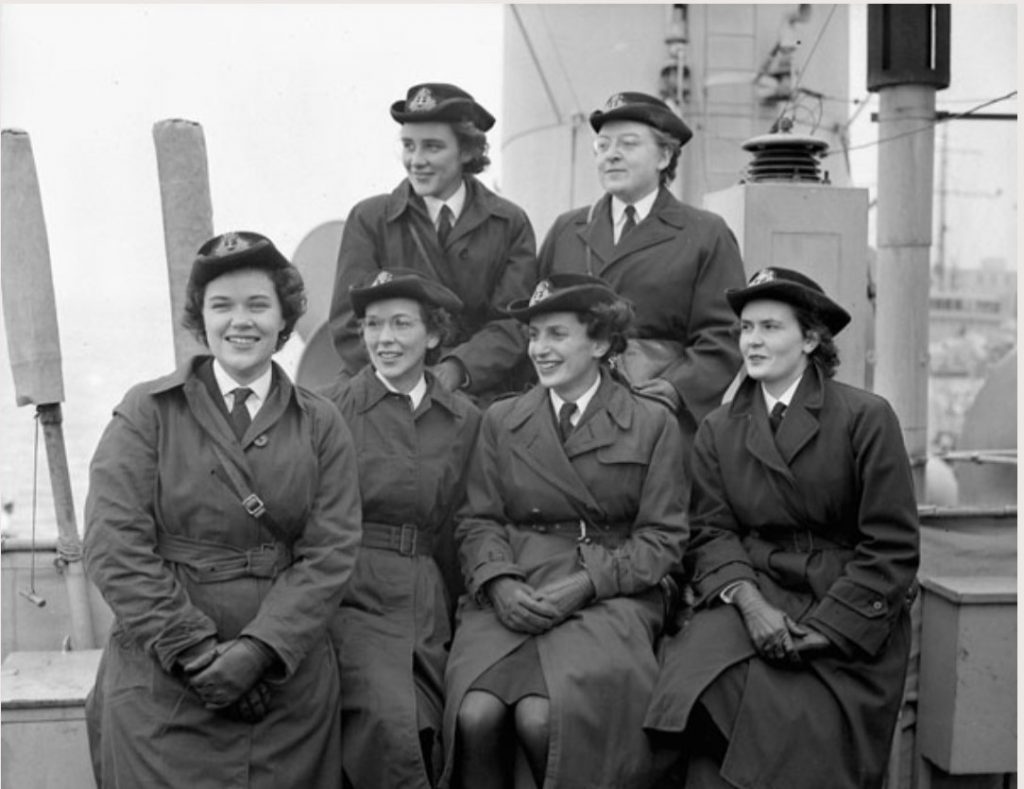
(974, 300)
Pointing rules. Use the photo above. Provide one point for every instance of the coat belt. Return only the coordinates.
(799, 541)
(212, 562)
(406, 538)
(581, 531)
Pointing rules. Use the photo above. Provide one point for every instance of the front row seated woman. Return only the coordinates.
(218, 670)
(413, 438)
(804, 550)
(574, 514)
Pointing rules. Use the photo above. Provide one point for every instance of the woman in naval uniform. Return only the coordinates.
(444, 223)
(413, 439)
(574, 514)
(803, 557)
(222, 524)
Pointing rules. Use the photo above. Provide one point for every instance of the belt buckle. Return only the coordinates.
(254, 505)
(407, 546)
(583, 538)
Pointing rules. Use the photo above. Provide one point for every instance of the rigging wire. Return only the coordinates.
(536, 63)
(932, 125)
(799, 77)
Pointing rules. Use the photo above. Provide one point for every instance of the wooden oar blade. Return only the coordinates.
(187, 212)
(30, 311)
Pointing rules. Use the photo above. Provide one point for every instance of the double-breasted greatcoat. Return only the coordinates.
(618, 471)
(489, 260)
(157, 488)
(823, 519)
(393, 629)
(675, 267)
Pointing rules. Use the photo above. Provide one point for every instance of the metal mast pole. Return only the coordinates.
(908, 60)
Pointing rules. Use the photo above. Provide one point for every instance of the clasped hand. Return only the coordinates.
(230, 674)
(776, 636)
(524, 609)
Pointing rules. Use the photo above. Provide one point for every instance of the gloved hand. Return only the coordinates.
(516, 607)
(809, 642)
(769, 628)
(253, 705)
(238, 665)
(662, 390)
(567, 595)
(197, 657)
(450, 374)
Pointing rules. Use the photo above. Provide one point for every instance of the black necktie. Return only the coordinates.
(565, 419)
(240, 419)
(775, 417)
(444, 225)
(630, 222)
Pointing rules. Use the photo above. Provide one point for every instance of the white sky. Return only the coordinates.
(293, 102)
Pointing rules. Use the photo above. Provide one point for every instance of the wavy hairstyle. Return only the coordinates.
(825, 355)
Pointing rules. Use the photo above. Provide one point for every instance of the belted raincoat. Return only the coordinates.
(618, 472)
(675, 267)
(393, 630)
(822, 517)
(489, 260)
(158, 488)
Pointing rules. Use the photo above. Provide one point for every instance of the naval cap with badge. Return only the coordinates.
(238, 249)
(402, 283)
(633, 106)
(790, 287)
(562, 293)
(439, 101)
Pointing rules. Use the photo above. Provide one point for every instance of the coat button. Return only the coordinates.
(877, 605)
(261, 440)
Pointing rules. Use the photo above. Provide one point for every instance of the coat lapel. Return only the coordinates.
(536, 442)
(759, 441)
(595, 233)
(661, 225)
(801, 423)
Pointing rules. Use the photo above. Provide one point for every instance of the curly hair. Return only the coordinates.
(291, 293)
(438, 321)
(611, 321)
(471, 141)
(825, 355)
(673, 146)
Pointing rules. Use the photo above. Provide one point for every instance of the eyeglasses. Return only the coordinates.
(626, 144)
(399, 325)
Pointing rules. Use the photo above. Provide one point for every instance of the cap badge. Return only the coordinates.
(423, 100)
(229, 242)
(383, 278)
(542, 292)
(615, 102)
(763, 276)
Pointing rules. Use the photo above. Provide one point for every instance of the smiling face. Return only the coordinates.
(431, 156)
(565, 358)
(629, 159)
(242, 317)
(775, 348)
(397, 340)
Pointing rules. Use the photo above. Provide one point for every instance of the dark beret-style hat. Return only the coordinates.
(791, 287)
(231, 251)
(632, 106)
(562, 293)
(402, 283)
(438, 101)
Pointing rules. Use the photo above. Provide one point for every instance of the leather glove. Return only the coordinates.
(197, 657)
(516, 607)
(662, 390)
(770, 629)
(252, 706)
(450, 374)
(238, 665)
(567, 595)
